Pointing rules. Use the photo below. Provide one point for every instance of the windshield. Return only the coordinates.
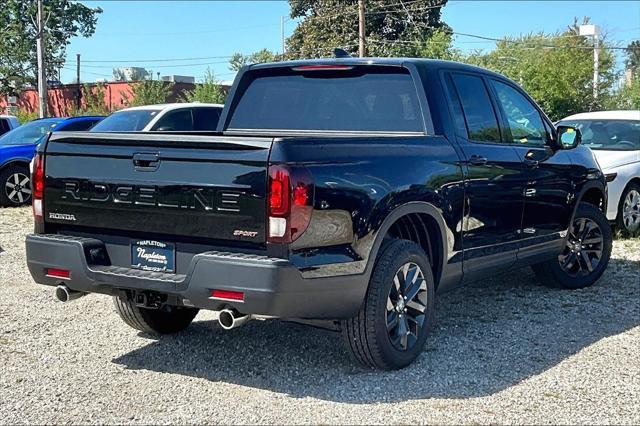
(126, 121)
(613, 135)
(29, 133)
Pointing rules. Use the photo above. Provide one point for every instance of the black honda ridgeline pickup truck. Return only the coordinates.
(348, 190)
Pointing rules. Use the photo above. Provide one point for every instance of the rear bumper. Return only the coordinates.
(271, 286)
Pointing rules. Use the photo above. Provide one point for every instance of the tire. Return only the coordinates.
(167, 320)
(366, 335)
(628, 218)
(15, 186)
(586, 253)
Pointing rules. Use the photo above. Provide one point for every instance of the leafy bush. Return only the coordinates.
(26, 116)
(208, 91)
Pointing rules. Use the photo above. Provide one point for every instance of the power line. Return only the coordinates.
(159, 66)
(159, 60)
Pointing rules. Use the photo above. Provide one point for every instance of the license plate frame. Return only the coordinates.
(152, 255)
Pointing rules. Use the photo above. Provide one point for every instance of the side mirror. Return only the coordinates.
(568, 137)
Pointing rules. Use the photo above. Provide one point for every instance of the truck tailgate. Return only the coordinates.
(204, 187)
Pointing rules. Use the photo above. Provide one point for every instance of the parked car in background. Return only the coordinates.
(163, 118)
(16, 151)
(8, 123)
(614, 137)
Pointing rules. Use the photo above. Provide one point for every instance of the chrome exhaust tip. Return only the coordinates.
(65, 294)
(230, 318)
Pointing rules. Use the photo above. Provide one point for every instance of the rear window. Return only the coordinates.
(360, 99)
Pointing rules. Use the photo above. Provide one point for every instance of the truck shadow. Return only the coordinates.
(488, 337)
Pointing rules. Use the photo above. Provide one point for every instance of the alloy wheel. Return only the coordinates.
(406, 306)
(583, 249)
(631, 211)
(18, 188)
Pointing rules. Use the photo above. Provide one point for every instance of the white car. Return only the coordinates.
(614, 137)
(177, 117)
(8, 123)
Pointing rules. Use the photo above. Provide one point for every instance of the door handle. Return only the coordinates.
(477, 160)
(146, 161)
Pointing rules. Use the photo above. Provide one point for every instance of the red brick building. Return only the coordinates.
(62, 99)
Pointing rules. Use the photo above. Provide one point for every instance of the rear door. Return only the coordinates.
(548, 185)
(155, 186)
(494, 178)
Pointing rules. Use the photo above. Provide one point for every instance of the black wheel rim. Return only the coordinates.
(406, 306)
(631, 211)
(583, 251)
(18, 188)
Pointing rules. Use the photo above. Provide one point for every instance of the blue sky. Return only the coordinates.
(138, 31)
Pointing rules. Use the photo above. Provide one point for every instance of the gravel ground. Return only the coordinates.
(504, 350)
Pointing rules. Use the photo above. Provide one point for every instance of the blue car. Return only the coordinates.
(17, 148)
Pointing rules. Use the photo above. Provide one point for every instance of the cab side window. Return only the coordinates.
(479, 115)
(175, 121)
(525, 122)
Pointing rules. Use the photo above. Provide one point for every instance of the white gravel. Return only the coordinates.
(504, 350)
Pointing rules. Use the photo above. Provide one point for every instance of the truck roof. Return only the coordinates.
(418, 62)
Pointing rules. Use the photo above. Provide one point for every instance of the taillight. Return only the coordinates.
(290, 203)
(37, 184)
(278, 191)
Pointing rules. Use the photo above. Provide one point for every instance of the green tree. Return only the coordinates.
(439, 46)
(395, 29)
(148, 92)
(627, 96)
(25, 116)
(209, 91)
(18, 60)
(239, 60)
(555, 69)
(633, 57)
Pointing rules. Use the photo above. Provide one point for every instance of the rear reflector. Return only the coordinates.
(58, 273)
(228, 295)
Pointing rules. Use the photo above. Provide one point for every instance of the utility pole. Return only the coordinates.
(363, 48)
(596, 62)
(42, 77)
(593, 31)
(284, 49)
(78, 90)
